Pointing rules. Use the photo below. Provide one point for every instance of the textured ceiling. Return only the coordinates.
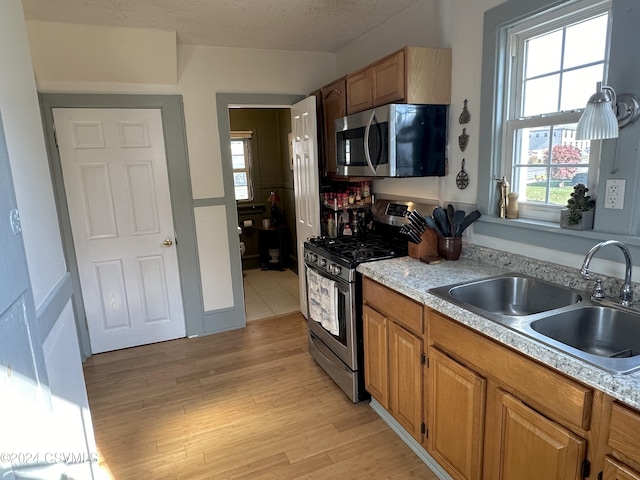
(306, 25)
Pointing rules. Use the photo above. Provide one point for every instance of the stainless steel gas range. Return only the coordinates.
(334, 291)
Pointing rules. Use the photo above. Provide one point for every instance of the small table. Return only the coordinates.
(272, 247)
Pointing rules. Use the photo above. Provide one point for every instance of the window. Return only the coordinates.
(241, 161)
(552, 66)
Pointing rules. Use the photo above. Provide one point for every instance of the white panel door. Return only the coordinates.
(115, 177)
(26, 413)
(306, 179)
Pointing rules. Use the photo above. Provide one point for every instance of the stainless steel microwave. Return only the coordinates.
(396, 140)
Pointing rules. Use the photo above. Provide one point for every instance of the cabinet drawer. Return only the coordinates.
(614, 470)
(624, 433)
(557, 396)
(404, 311)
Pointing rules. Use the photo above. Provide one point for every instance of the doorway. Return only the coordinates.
(263, 182)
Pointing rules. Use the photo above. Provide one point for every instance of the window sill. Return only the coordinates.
(550, 235)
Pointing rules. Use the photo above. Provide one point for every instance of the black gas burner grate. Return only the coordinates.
(358, 248)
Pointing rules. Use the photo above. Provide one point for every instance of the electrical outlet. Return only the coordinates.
(614, 194)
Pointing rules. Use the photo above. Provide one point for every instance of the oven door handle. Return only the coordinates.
(367, 134)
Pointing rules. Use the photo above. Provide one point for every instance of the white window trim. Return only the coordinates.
(246, 136)
(539, 24)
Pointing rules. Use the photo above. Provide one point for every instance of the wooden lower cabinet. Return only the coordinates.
(533, 447)
(405, 379)
(393, 369)
(491, 412)
(497, 415)
(393, 354)
(376, 364)
(456, 416)
(614, 470)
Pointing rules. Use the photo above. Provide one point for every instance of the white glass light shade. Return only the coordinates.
(597, 122)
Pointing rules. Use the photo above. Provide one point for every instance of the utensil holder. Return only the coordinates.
(427, 247)
(450, 247)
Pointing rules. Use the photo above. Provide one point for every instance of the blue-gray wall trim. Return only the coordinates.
(50, 310)
(555, 238)
(179, 184)
(209, 202)
(623, 74)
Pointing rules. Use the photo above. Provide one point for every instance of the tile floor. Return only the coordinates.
(268, 293)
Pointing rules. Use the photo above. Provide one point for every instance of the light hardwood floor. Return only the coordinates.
(249, 403)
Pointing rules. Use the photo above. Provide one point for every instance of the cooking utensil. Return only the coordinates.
(431, 223)
(450, 212)
(411, 233)
(462, 179)
(458, 218)
(468, 220)
(414, 237)
(417, 221)
(441, 220)
(418, 216)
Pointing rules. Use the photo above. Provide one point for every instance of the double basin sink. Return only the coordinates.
(557, 316)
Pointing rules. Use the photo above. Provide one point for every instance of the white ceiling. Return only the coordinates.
(305, 25)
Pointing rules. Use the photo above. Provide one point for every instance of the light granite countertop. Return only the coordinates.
(413, 278)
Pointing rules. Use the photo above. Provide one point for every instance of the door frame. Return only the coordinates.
(224, 101)
(172, 112)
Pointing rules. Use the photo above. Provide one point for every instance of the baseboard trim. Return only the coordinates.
(410, 441)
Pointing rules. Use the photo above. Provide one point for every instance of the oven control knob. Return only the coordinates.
(323, 262)
(313, 258)
(335, 269)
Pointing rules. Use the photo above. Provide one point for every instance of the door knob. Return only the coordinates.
(167, 242)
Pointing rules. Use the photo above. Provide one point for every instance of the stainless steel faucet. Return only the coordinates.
(626, 292)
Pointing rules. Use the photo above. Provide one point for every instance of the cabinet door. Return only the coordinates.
(388, 80)
(456, 413)
(334, 98)
(614, 470)
(405, 379)
(533, 447)
(376, 373)
(359, 91)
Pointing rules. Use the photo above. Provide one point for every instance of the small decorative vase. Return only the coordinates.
(450, 247)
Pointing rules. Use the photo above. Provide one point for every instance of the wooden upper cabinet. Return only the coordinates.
(334, 102)
(388, 79)
(411, 75)
(359, 96)
(456, 416)
(533, 447)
